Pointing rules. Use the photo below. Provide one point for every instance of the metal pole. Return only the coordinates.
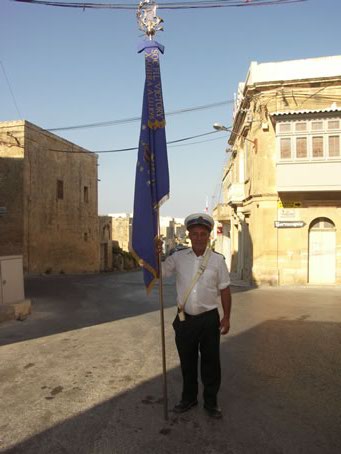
(162, 322)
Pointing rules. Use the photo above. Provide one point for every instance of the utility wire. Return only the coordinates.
(168, 143)
(136, 148)
(177, 112)
(194, 143)
(204, 4)
(135, 119)
(10, 89)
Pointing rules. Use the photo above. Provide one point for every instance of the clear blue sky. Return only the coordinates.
(69, 67)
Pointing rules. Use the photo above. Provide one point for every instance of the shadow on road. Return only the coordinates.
(63, 303)
(280, 394)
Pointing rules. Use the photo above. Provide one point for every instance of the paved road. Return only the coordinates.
(82, 374)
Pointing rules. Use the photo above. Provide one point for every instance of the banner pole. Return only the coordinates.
(150, 23)
(162, 323)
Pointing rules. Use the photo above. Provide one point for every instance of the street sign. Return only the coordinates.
(288, 204)
(289, 224)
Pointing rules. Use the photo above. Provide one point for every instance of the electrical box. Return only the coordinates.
(11, 279)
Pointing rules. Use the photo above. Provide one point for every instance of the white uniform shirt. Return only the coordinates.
(205, 295)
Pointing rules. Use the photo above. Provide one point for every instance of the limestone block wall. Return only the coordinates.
(294, 243)
(281, 255)
(60, 205)
(121, 231)
(262, 241)
(11, 188)
(105, 232)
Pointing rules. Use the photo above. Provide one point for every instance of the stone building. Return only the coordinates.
(121, 229)
(105, 237)
(172, 230)
(280, 218)
(48, 195)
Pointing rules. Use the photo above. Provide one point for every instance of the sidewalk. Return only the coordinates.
(235, 282)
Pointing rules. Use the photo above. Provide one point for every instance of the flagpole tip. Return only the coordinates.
(147, 19)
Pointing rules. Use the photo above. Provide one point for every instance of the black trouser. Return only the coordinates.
(199, 333)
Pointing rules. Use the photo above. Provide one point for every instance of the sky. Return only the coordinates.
(63, 67)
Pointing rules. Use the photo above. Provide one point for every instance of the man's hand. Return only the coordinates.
(224, 325)
(158, 245)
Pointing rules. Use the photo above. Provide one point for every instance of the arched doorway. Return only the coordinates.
(322, 251)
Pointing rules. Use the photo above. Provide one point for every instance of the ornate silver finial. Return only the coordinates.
(147, 19)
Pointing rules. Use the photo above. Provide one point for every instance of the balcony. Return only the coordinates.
(221, 212)
(308, 176)
(236, 194)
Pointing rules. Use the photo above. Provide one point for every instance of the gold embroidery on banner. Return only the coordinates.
(156, 124)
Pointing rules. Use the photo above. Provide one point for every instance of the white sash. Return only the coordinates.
(201, 269)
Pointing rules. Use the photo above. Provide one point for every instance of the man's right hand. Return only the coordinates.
(158, 245)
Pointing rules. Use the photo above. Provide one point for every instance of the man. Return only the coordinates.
(202, 279)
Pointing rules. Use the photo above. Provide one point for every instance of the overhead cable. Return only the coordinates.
(135, 148)
(199, 4)
(168, 143)
(10, 89)
(134, 119)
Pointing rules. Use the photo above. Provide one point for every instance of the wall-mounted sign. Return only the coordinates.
(3, 210)
(288, 204)
(289, 224)
(288, 214)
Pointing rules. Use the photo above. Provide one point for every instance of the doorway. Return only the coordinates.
(322, 251)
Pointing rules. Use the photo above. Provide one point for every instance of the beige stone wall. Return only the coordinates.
(11, 188)
(59, 235)
(121, 231)
(293, 244)
(105, 236)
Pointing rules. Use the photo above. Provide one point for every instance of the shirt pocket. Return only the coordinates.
(210, 279)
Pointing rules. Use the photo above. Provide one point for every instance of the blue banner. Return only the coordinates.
(152, 177)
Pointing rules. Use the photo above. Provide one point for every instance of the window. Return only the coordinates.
(86, 194)
(334, 146)
(309, 139)
(316, 125)
(333, 124)
(285, 127)
(301, 147)
(285, 148)
(317, 147)
(60, 189)
(322, 224)
(301, 127)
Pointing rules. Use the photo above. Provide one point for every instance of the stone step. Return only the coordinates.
(15, 311)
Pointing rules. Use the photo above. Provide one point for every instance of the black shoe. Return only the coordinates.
(184, 405)
(213, 411)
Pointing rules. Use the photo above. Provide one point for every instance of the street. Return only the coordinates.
(83, 373)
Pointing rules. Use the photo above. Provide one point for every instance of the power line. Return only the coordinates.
(174, 112)
(10, 89)
(168, 143)
(119, 150)
(200, 4)
(194, 143)
(135, 119)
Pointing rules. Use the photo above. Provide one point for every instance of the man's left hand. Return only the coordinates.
(224, 325)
